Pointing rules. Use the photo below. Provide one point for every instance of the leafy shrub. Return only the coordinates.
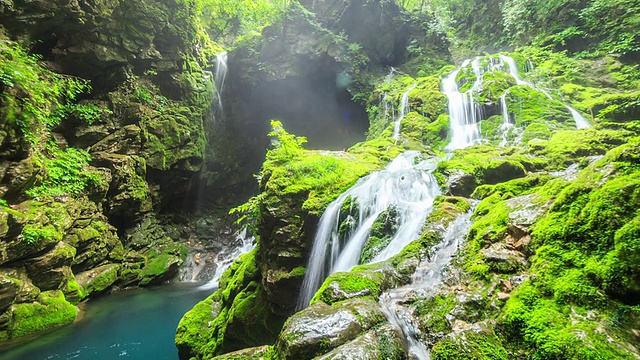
(66, 172)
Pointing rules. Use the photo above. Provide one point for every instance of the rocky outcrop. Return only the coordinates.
(69, 226)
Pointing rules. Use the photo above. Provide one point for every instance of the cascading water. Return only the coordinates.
(405, 183)
(463, 112)
(220, 77)
(581, 122)
(425, 280)
(242, 245)
(404, 110)
(409, 186)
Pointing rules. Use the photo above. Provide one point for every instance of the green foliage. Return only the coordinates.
(36, 98)
(34, 234)
(228, 20)
(286, 146)
(65, 172)
(89, 113)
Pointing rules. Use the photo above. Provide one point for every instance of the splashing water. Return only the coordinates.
(404, 110)
(406, 183)
(242, 245)
(426, 279)
(581, 122)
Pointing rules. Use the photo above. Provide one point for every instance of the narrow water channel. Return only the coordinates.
(128, 324)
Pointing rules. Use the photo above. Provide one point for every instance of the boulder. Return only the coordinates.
(99, 279)
(315, 330)
(461, 185)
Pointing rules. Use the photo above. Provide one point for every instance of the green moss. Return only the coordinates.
(237, 315)
(491, 218)
(494, 85)
(102, 280)
(490, 128)
(528, 106)
(419, 130)
(351, 284)
(470, 346)
(447, 208)
(51, 310)
(380, 234)
(567, 147)
(74, 292)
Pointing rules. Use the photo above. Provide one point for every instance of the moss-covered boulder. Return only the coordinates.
(98, 279)
(383, 342)
(321, 327)
(50, 310)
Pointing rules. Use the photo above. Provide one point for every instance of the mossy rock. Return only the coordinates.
(380, 234)
(159, 269)
(49, 311)
(345, 285)
(99, 279)
(470, 345)
(236, 316)
(320, 328)
(447, 208)
(420, 131)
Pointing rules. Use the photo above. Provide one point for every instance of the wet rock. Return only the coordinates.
(254, 353)
(315, 330)
(382, 343)
(503, 260)
(461, 185)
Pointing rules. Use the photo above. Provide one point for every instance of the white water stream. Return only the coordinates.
(242, 245)
(407, 184)
(220, 76)
(425, 280)
(404, 110)
(581, 122)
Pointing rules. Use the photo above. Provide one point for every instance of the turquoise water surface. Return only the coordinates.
(128, 324)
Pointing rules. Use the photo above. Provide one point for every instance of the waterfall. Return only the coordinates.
(220, 77)
(463, 111)
(507, 125)
(242, 245)
(581, 122)
(404, 110)
(406, 183)
(425, 281)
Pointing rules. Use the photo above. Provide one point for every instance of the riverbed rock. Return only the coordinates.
(318, 328)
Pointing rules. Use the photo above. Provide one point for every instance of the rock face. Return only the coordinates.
(142, 125)
(97, 40)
